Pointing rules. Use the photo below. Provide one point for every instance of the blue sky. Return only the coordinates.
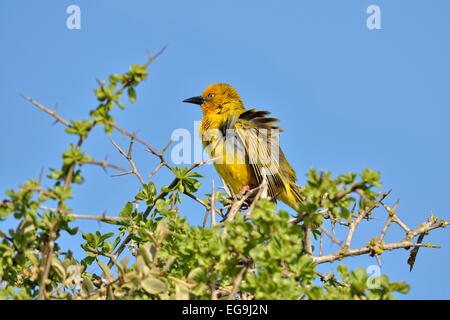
(348, 97)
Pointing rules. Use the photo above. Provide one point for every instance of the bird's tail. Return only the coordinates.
(292, 196)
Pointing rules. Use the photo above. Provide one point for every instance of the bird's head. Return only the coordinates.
(218, 98)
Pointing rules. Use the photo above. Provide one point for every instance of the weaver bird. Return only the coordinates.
(244, 145)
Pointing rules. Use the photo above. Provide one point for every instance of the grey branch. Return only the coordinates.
(105, 164)
(129, 157)
(101, 217)
(53, 113)
(376, 246)
(366, 250)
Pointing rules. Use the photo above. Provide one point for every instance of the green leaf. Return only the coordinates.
(181, 291)
(400, 287)
(153, 285)
(126, 211)
(105, 236)
(58, 267)
(132, 94)
(105, 268)
(120, 105)
(87, 286)
(148, 252)
(195, 274)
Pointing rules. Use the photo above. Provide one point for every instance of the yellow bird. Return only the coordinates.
(244, 145)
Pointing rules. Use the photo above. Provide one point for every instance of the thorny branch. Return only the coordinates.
(241, 199)
(213, 204)
(376, 246)
(100, 218)
(129, 156)
(363, 214)
(51, 112)
(105, 164)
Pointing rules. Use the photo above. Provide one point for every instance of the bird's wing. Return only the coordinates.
(259, 136)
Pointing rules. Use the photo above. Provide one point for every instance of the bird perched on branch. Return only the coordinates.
(245, 145)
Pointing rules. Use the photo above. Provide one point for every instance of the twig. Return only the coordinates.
(402, 225)
(102, 217)
(53, 113)
(365, 250)
(329, 235)
(213, 204)
(151, 58)
(355, 187)
(321, 245)
(308, 243)
(105, 164)
(129, 157)
(104, 254)
(47, 259)
(376, 246)
(390, 218)
(262, 190)
(331, 278)
(362, 215)
(237, 204)
(429, 227)
(195, 198)
(159, 154)
(237, 283)
(158, 167)
(205, 218)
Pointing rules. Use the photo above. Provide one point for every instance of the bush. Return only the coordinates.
(249, 251)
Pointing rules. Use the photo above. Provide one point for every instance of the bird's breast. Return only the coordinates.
(229, 157)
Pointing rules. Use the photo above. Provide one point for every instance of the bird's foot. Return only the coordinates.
(244, 190)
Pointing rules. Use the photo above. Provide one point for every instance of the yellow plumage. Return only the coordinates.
(244, 144)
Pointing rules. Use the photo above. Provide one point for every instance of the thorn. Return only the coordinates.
(377, 257)
(24, 96)
(41, 174)
(153, 58)
(130, 149)
(122, 174)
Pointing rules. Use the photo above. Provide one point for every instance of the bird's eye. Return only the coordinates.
(210, 96)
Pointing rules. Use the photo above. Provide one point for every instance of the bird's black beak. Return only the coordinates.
(195, 100)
